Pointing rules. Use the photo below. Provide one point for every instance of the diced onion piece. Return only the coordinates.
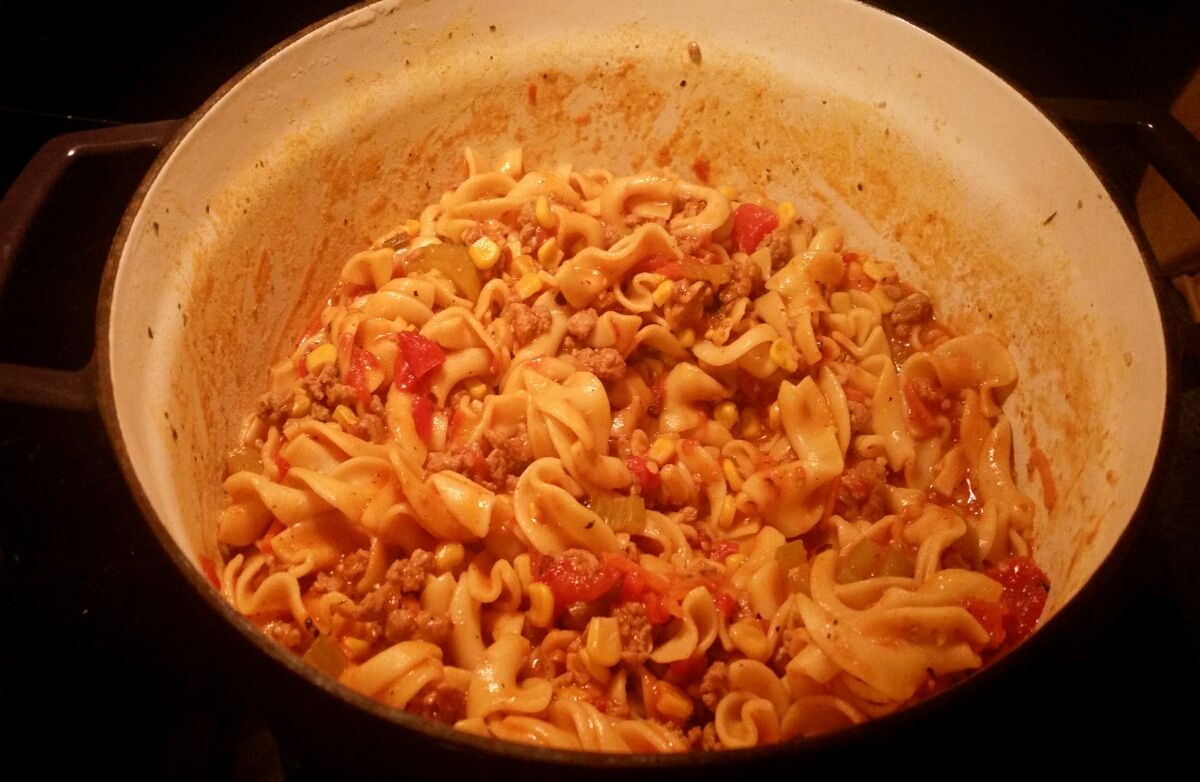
(453, 261)
(326, 656)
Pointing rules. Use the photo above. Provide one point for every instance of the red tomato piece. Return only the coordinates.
(723, 549)
(923, 419)
(423, 416)
(990, 616)
(1024, 595)
(283, 465)
(648, 480)
(356, 375)
(725, 603)
(422, 353)
(683, 672)
(657, 610)
(751, 224)
(572, 580)
(658, 264)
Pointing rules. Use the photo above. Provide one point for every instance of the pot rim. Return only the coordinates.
(451, 738)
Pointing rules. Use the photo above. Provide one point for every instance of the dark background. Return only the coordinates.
(109, 664)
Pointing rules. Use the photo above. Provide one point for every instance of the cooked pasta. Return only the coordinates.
(631, 464)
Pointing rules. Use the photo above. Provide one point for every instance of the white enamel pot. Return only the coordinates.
(919, 152)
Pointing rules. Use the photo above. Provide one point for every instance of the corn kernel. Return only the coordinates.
(345, 416)
(687, 338)
(673, 704)
(528, 285)
(521, 265)
(541, 210)
(541, 605)
(301, 405)
(475, 388)
(773, 416)
(321, 357)
(604, 641)
(727, 191)
(787, 214)
(662, 450)
(726, 414)
(662, 294)
(732, 477)
(484, 253)
(548, 254)
(354, 645)
(734, 561)
(784, 355)
(751, 426)
(412, 227)
(727, 510)
(448, 556)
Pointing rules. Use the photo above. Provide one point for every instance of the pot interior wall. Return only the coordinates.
(920, 154)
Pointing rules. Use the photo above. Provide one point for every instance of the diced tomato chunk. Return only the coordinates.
(1024, 595)
(658, 264)
(725, 603)
(923, 419)
(423, 416)
(572, 580)
(683, 672)
(356, 375)
(751, 224)
(990, 616)
(647, 479)
(283, 465)
(416, 361)
(723, 549)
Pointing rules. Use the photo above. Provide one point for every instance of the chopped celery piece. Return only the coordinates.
(622, 514)
(793, 561)
(453, 261)
(326, 656)
(868, 559)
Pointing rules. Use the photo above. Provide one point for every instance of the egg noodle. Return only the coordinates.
(631, 463)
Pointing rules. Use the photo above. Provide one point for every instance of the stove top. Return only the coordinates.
(110, 664)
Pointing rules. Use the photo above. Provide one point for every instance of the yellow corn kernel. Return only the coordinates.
(731, 475)
(354, 645)
(727, 510)
(784, 355)
(301, 405)
(321, 357)
(541, 605)
(448, 556)
(484, 253)
(345, 416)
(879, 270)
(686, 338)
(726, 414)
(412, 227)
(673, 704)
(751, 426)
(475, 388)
(528, 285)
(541, 210)
(662, 450)
(787, 214)
(604, 641)
(750, 640)
(549, 254)
(734, 561)
(521, 265)
(728, 191)
(773, 416)
(662, 294)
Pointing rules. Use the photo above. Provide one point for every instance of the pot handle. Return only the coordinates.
(1167, 144)
(1175, 153)
(68, 389)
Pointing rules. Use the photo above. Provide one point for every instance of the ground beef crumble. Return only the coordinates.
(528, 323)
(605, 363)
